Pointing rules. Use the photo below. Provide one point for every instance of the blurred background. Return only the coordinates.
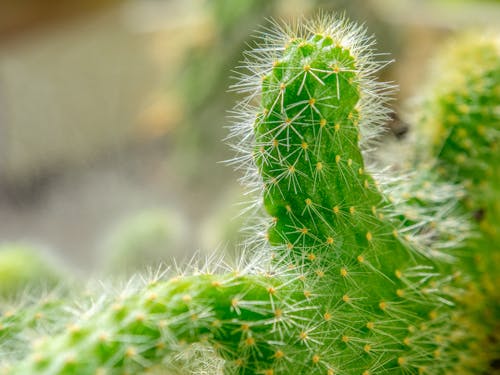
(112, 115)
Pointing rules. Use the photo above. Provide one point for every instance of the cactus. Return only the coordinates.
(23, 267)
(32, 298)
(23, 322)
(143, 239)
(339, 281)
(361, 264)
(225, 223)
(459, 124)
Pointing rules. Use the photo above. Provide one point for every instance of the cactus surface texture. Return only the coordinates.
(22, 324)
(339, 278)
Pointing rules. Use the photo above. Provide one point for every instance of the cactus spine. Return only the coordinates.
(340, 284)
(20, 325)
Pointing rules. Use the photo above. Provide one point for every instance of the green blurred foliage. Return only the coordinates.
(23, 267)
(144, 239)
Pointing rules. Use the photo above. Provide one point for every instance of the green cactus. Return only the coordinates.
(360, 262)
(225, 225)
(33, 298)
(22, 323)
(460, 120)
(339, 282)
(23, 268)
(143, 239)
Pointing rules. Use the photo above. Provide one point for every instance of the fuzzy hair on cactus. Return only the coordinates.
(21, 324)
(337, 283)
(459, 125)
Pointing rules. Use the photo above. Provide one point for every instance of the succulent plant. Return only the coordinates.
(459, 132)
(25, 267)
(338, 278)
(144, 239)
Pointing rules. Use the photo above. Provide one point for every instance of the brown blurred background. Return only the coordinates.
(111, 109)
